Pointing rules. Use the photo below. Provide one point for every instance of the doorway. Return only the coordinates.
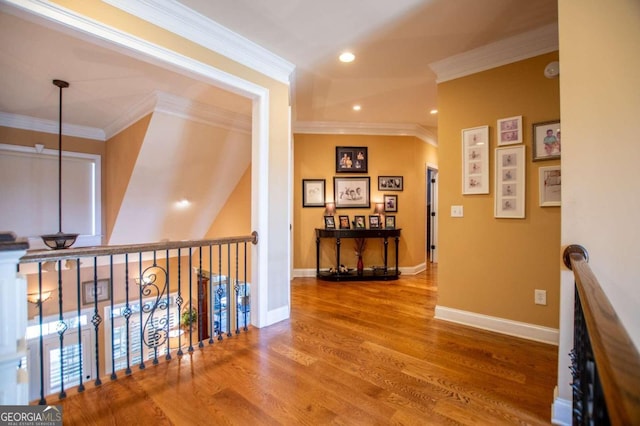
(432, 216)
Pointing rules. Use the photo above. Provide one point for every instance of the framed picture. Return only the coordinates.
(390, 183)
(546, 140)
(313, 192)
(351, 159)
(475, 160)
(550, 185)
(344, 222)
(390, 222)
(510, 182)
(509, 130)
(374, 221)
(390, 203)
(101, 291)
(351, 192)
(359, 222)
(329, 222)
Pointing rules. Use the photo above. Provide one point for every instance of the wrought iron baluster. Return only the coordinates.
(228, 291)
(96, 320)
(219, 293)
(79, 319)
(42, 401)
(236, 292)
(113, 358)
(190, 301)
(155, 328)
(200, 298)
(244, 298)
(141, 366)
(168, 352)
(179, 301)
(61, 328)
(212, 310)
(127, 312)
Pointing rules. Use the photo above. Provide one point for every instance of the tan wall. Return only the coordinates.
(121, 155)
(314, 158)
(486, 265)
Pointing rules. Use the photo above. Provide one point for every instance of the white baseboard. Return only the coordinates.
(277, 315)
(499, 325)
(404, 270)
(561, 412)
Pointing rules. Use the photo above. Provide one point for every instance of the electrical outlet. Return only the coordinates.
(457, 211)
(540, 297)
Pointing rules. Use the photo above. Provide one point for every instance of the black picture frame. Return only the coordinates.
(313, 192)
(390, 183)
(102, 287)
(390, 222)
(374, 221)
(329, 222)
(351, 192)
(390, 203)
(344, 222)
(352, 159)
(359, 222)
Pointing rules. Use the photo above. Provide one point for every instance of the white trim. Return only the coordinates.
(375, 129)
(25, 122)
(561, 412)
(413, 270)
(499, 325)
(304, 273)
(179, 19)
(517, 48)
(277, 315)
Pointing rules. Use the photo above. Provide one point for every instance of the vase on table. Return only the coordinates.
(360, 265)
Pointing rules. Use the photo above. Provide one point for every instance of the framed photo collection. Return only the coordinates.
(509, 131)
(351, 192)
(352, 159)
(510, 182)
(475, 160)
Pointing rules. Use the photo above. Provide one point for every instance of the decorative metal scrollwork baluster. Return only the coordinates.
(153, 285)
(61, 328)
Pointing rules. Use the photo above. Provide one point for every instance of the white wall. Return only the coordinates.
(600, 106)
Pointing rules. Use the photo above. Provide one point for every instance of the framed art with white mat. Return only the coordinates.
(475, 160)
(510, 183)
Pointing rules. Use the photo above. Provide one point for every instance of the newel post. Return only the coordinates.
(13, 321)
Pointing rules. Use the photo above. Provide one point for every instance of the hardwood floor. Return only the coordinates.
(358, 353)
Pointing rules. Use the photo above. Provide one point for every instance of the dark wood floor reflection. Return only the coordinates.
(358, 353)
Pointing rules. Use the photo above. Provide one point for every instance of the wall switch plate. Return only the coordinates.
(457, 211)
(540, 297)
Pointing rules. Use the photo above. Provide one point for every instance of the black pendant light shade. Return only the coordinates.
(60, 240)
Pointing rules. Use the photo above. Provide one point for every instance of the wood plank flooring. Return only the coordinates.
(358, 353)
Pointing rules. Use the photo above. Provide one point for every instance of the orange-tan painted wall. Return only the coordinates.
(314, 158)
(121, 155)
(486, 265)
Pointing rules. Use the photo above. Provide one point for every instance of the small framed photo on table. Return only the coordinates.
(329, 222)
(390, 222)
(344, 222)
(95, 291)
(360, 222)
(374, 221)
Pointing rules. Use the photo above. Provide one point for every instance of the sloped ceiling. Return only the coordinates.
(180, 160)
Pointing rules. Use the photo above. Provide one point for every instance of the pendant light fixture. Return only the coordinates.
(59, 240)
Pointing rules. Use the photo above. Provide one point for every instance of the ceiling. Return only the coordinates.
(394, 43)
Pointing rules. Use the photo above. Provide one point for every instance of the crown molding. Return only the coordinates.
(179, 19)
(517, 48)
(24, 122)
(375, 129)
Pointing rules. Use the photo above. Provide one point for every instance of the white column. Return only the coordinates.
(13, 322)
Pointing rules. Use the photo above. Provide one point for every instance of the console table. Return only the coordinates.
(382, 273)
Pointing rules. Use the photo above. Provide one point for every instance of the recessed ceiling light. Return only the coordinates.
(433, 111)
(347, 57)
(183, 203)
(357, 107)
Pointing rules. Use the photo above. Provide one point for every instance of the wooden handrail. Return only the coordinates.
(616, 357)
(74, 253)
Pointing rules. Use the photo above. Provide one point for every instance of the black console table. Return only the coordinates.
(382, 273)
